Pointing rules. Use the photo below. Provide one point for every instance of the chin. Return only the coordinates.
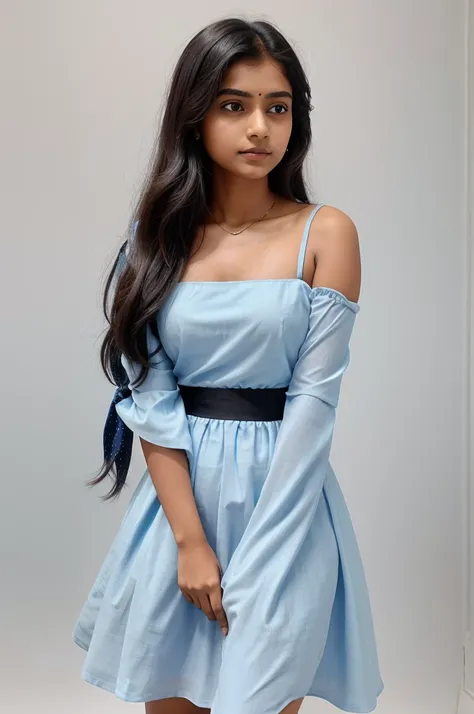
(250, 172)
(245, 170)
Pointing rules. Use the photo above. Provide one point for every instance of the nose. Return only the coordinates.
(257, 126)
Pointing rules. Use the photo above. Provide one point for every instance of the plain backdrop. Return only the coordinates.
(82, 89)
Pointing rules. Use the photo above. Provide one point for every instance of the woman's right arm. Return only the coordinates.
(155, 412)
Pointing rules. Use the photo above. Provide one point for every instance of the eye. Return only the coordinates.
(279, 107)
(236, 106)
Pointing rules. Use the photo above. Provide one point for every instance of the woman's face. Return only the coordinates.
(253, 110)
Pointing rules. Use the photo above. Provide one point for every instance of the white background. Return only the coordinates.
(81, 94)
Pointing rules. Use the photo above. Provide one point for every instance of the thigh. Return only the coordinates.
(293, 707)
(174, 705)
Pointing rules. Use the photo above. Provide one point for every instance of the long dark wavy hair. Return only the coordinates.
(177, 191)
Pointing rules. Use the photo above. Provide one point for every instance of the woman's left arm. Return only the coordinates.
(295, 479)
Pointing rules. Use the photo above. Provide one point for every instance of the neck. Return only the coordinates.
(237, 201)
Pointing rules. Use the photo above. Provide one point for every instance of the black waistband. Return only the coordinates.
(239, 404)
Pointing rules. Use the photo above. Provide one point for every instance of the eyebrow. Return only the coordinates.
(241, 93)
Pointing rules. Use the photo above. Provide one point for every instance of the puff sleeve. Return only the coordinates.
(294, 482)
(155, 410)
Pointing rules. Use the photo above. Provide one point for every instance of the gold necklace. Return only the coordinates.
(236, 233)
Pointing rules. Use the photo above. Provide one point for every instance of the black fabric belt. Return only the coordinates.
(239, 404)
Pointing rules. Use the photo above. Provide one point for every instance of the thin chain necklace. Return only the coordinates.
(236, 233)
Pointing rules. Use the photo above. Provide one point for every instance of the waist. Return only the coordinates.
(234, 403)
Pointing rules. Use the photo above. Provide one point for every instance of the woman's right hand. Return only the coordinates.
(199, 579)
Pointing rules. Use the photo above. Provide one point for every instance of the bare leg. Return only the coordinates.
(177, 705)
(293, 707)
(174, 705)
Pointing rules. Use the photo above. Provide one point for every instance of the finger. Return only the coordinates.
(186, 594)
(195, 601)
(216, 602)
(206, 607)
(191, 599)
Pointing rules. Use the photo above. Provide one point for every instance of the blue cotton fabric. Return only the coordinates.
(295, 594)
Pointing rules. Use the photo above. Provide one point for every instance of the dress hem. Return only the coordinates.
(203, 704)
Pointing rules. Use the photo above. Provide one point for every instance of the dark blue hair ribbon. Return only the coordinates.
(118, 437)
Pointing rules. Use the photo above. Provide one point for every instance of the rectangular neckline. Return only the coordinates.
(249, 280)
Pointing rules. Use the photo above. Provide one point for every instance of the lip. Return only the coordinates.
(255, 152)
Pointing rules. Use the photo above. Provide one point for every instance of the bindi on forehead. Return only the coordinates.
(229, 91)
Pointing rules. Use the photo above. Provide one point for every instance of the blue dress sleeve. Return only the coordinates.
(155, 410)
(294, 482)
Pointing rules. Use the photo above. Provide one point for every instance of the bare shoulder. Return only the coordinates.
(334, 242)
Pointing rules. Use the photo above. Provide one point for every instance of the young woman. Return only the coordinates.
(235, 582)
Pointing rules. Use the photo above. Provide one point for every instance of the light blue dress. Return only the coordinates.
(295, 593)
